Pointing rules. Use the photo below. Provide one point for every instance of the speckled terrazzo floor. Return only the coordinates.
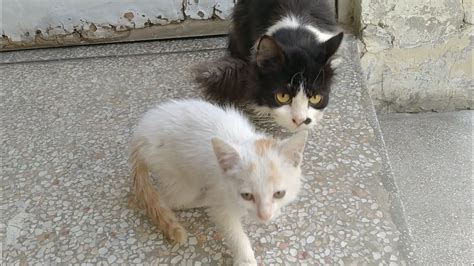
(65, 179)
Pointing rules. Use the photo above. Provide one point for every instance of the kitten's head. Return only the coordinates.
(263, 175)
(293, 81)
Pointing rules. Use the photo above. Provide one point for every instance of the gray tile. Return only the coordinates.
(431, 156)
(113, 50)
(65, 130)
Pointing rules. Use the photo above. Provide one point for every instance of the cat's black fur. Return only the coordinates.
(291, 56)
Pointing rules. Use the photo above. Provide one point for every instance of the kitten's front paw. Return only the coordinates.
(245, 262)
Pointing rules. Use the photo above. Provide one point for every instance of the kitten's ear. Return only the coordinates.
(226, 155)
(293, 147)
(269, 52)
(333, 44)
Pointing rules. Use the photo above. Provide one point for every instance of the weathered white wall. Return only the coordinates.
(29, 21)
(417, 54)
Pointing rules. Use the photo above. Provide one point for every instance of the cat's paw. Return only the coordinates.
(177, 234)
(245, 262)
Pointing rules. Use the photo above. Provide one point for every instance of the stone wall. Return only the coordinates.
(46, 23)
(417, 54)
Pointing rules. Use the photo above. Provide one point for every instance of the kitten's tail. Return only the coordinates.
(148, 198)
(227, 79)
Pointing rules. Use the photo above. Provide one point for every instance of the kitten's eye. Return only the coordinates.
(247, 196)
(316, 99)
(282, 98)
(279, 194)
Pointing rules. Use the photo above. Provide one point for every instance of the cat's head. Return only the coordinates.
(293, 82)
(263, 175)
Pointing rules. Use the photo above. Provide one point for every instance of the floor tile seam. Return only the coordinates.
(110, 56)
(386, 173)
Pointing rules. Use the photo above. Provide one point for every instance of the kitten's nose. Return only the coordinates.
(264, 216)
(299, 121)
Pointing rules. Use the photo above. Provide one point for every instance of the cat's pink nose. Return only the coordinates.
(299, 121)
(264, 216)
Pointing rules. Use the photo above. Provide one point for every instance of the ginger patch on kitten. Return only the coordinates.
(263, 145)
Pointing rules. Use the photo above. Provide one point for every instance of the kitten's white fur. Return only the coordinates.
(293, 22)
(206, 156)
(288, 22)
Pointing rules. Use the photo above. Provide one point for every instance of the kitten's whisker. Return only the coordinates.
(324, 76)
(297, 73)
(319, 73)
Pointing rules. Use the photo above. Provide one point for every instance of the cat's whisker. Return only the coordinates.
(324, 75)
(294, 76)
(319, 73)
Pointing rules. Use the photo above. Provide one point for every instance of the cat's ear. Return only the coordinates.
(226, 155)
(269, 53)
(333, 44)
(293, 147)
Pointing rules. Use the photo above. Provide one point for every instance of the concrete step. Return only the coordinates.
(114, 50)
(66, 123)
(431, 157)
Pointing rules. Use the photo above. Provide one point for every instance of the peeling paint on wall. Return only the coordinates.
(205, 9)
(417, 55)
(66, 22)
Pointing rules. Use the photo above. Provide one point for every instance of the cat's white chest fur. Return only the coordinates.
(206, 156)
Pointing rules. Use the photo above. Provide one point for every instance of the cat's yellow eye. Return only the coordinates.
(315, 99)
(279, 194)
(247, 196)
(282, 98)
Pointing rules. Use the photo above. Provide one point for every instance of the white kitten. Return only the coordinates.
(206, 156)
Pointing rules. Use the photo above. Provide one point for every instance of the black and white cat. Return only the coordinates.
(280, 55)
